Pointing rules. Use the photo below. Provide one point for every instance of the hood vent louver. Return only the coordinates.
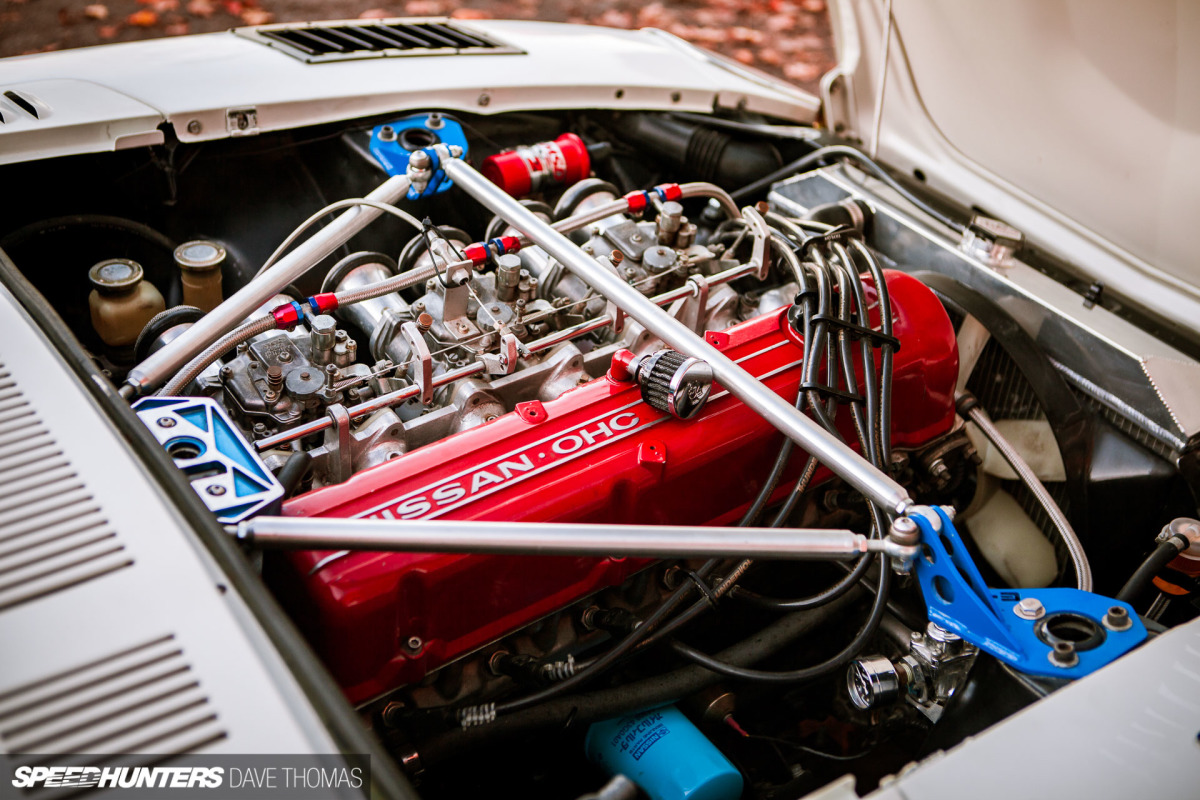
(25, 105)
(53, 532)
(343, 41)
(20, 105)
(144, 698)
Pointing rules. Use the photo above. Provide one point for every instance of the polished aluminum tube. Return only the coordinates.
(553, 539)
(164, 363)
(780, 413)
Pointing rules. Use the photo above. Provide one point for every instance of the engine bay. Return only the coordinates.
(432, 358)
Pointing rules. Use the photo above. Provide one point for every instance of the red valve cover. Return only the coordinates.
(596, 454)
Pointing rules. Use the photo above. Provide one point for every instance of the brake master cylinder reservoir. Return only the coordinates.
(665, 754)
(199, 265)
(121, 302)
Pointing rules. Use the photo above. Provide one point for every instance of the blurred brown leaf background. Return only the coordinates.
(787, 38)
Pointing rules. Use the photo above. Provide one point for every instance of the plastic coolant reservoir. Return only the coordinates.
(1010, 541)
(664, 754)
(1032, 438)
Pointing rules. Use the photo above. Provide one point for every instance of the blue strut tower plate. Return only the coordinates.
(959, 601)
(415, 133)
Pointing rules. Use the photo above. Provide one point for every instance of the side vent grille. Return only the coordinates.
(143, 699)
(53, 534)
(21, 105)
(341, 41)
(24, 104)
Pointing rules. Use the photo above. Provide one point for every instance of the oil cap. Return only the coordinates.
(115, 276)
(199, 255)
(674, 383)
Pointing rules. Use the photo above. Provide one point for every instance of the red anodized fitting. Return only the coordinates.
(478, 253)
(323, 303)
(638, 201)
(286, 315)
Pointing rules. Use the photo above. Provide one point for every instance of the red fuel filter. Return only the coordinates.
(532, 168)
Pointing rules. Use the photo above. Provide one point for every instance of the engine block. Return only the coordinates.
(596, 454)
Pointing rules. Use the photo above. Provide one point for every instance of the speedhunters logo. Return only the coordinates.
(119, 777)
(234, 776)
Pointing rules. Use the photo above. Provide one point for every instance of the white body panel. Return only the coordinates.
(199, 79)
(1076, 122)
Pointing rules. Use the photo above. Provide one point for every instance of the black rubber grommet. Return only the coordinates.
(965, 402)
(160, 323)
(579, 192)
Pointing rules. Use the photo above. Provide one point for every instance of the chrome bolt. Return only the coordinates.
(904, 531)
(215, 491)
(166, 422)
(194, 127)
(414, 644)
(285, 356)
(1030, 608)
(419, 160)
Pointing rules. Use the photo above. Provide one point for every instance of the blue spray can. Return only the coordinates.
(665, 754)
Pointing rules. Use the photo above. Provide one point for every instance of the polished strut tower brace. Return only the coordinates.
(1038, 631)
(557, 539)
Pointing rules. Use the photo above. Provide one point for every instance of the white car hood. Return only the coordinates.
(115, 96)
(1077, 121)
